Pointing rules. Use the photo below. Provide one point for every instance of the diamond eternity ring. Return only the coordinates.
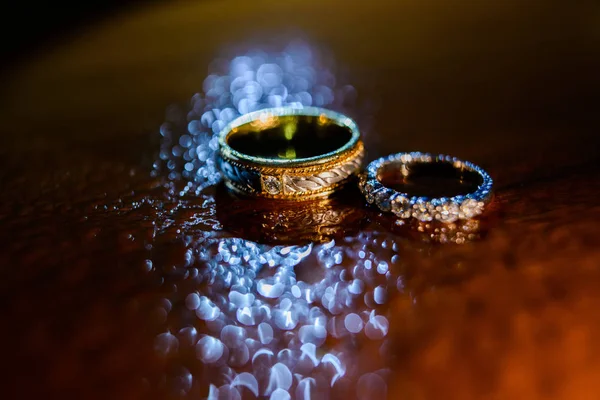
(467, 203)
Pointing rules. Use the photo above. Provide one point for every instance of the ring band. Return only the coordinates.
(289, 153)
(423, 208)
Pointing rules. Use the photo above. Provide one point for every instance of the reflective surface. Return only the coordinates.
(271, 221)
(118, 284)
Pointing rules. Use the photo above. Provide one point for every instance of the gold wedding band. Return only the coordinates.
(289, 153)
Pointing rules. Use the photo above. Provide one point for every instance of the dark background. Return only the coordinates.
(29, 25)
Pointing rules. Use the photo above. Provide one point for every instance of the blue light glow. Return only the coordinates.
(239, 307)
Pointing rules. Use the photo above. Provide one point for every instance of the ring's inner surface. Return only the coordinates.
(434, 179)
(289, 137)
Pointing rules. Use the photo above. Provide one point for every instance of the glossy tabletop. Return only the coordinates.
(121, 281)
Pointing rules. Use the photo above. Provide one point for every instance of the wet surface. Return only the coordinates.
(122, 280)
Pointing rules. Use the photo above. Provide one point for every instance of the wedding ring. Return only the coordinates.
(467, 204)
(289, 153)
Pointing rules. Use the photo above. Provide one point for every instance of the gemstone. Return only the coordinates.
(470, 208)
(382, 198)
(447, 212)
(368, 192)
(401, 206)
(362, 179)
(272, 184)
(423, 211)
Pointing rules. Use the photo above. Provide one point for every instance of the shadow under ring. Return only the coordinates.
(290, 153)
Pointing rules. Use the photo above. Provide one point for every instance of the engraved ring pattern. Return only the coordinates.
(296, 179)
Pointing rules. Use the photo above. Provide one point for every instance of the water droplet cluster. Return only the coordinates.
(247, 319)
(255, 80)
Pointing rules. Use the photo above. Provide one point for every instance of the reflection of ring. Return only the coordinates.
(426, 208)
(316, 221)
(289, 153)
(459, 232)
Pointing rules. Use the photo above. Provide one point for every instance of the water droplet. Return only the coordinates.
(382, 267)
(228, 392)
(192, 301)
(247, 380)
(280, 394)
(280, 378)
(166, 344)
(313, 334)
(239, 356)
(285, 319)
(353, 323)
(239, 299)
(207, 310)
(356, 287)
(248, 315)
(306, 389)
(377, 327)
(380, 295)
(268, 288)
(296, 291)
(209, 349)
(233, 336)
(265, 333)
(187, 336)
